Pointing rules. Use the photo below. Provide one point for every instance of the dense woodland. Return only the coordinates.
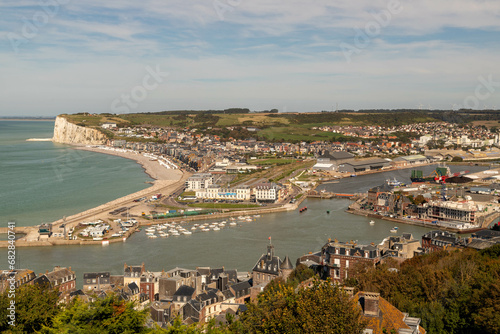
(451, 291)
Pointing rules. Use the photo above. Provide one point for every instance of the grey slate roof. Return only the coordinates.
(286, 264)
(184, 290)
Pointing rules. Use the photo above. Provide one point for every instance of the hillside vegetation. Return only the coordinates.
(452, 292)
(274, 126)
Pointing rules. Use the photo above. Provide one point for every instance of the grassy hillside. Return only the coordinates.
(272, 126)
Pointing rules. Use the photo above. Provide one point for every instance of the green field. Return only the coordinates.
(274, 161)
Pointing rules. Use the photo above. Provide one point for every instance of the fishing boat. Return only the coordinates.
(394, 183)
(394, 229)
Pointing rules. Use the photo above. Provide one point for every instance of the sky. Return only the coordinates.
(123, 56)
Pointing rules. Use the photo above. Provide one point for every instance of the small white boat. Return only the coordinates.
(233, 224)
(394, 229)
(150, 229)
(205, 229)
(193, 228)
(216, 228)
(175, 234)
(163, 235)
(115, 235)
(97, 238)
(149, 234)
(372, 222)
(187, 232)
(152, 236)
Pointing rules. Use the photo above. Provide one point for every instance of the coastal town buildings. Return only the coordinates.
(60, 278)
(132, 274)
(401, 247)
(270, 266)
(434, 241)
(267, 192)
(16, 278)
(338, 257)
(96, 281)
(199, 181)
(239, 193)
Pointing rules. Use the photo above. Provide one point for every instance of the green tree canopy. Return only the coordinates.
(321, 308)
(35, 307)
(109, 315)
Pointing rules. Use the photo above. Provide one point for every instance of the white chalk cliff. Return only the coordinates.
(69, 133)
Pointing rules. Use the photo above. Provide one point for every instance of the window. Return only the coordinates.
(336, 273)
(336, 262)
(347, 263)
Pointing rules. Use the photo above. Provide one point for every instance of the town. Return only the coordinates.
(239, 177)
(201, 294)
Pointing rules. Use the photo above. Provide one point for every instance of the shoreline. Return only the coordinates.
(152, 168)
(166, 181)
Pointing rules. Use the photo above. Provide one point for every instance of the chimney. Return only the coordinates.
(46, 272)
(349, 291)
(370, 306)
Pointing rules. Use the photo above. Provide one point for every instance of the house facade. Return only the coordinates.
(338, 257)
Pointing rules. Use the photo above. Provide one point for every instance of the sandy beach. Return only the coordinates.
(152, 168)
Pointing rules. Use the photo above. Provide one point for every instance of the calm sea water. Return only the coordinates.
(55, 180)
(42, 181)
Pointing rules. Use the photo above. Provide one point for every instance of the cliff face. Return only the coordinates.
(69, 133)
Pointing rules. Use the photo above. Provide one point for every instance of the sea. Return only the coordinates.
(43, 181)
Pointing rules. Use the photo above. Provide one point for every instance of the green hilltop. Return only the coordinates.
(275, 126)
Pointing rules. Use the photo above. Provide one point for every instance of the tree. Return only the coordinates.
(457, 159)
(300, 274)
(321, 308)
(35, 307)
(109, 315)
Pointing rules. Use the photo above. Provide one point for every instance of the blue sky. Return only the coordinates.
(66, 56)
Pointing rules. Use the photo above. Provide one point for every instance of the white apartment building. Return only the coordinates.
(241, 193)
(267, 192)
(199, 181)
